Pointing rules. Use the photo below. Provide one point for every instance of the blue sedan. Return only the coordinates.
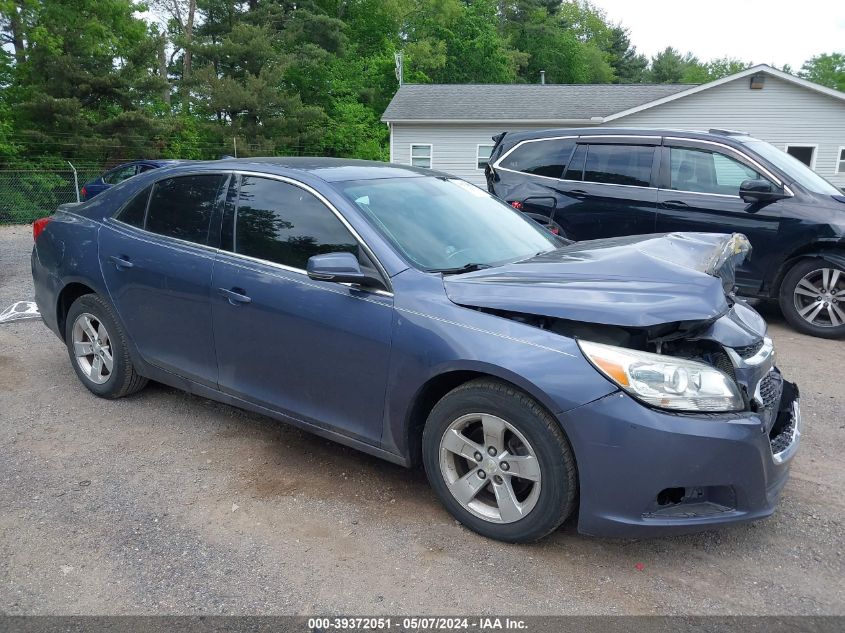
(415, 317)
(119, 174)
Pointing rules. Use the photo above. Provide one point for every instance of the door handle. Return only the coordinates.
(121, 262)
(235, 298)
(675, 204)
(578, 193)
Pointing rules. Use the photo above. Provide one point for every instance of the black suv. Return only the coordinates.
(595, 183)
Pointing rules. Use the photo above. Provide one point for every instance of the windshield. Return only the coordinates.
(795, 170)
(444, 224)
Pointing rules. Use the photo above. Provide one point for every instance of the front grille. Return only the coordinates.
(749, 350)
(723, 363)
(783, 438)
(770, 389)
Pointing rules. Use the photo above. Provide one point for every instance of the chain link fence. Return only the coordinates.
(29, 194)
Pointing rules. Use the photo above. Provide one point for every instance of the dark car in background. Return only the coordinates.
(119, 174)
(596, 183)
(416, 317)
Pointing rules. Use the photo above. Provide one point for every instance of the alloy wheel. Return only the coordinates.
(92, 348)
(819, 297)
(490, 468)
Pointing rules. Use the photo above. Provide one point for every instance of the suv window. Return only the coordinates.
(182, 207)
(285, 224)
(119, 175)
(135, 210)
(541, 158)
(704, 171)
(619, 164)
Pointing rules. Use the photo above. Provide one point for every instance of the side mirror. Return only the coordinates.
(759, 191)
(342, 268)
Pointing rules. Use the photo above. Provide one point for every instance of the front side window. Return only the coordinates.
(119, 175)
(182, 207)
(792, 168)
(279, 222)
(441, 225)
(541, 158)
(482, 156)
(421, 156)
(703, 171)
(619, 164)
(136, 209)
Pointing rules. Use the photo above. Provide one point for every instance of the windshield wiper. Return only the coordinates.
(466, 268)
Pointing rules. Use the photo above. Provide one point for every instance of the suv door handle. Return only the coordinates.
(675, 204)
(235, 298)
(578, 193)
(121, 262)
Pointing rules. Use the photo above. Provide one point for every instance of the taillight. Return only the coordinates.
(38, 227)
(516, 204)
(554, 230)
(83, 193)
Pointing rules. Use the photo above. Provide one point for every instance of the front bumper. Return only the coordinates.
(644, 472)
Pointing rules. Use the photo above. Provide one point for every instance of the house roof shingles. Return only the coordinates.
(505, 102)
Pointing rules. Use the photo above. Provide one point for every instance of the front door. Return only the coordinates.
(157, 267)
(701, 193)
(606, 191)
(315, 350)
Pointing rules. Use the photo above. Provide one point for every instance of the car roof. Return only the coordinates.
(327, 169)
(713, 134)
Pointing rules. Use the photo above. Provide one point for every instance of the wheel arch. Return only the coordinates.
(833, 252)
(438, 385)
(68, 294)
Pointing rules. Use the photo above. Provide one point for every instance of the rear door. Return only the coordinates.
(608, 188)
(157, 257)
(700, 192)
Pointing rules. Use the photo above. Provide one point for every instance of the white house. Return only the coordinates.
(449, 126)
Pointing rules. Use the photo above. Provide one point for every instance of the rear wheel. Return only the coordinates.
(812, 298)
(499, 462)
(98, 350)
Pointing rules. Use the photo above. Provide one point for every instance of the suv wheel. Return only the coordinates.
(98, 350)
(499, 462)
(812, 298)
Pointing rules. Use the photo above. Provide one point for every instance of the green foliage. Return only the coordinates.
(827, 70)
(91, 81)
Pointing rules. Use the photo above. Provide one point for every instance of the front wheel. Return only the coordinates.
(499, 462)
(812, 298)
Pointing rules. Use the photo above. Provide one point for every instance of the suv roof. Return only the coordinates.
(722, 135)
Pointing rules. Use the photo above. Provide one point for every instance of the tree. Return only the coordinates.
(628, 65)
(827, 69)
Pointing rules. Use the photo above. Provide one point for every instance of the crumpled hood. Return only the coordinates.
(635, 281)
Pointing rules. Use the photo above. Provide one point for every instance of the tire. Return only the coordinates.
(90, 322)
(822, 315)
(500, 504)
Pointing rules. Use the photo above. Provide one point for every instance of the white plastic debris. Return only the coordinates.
(20, 311)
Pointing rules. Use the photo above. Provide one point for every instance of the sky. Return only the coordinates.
(776, 32)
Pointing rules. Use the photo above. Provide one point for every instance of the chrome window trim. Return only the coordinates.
(496, 165)
(760, 168)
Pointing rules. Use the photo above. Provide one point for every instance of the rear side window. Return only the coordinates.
(119, 175)
(182, 207)
(619, 164)
(135, 210)
(541, 158)
(282, 223)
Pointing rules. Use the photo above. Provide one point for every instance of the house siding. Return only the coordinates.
(781, 113)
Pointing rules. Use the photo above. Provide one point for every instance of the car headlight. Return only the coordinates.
(665, 381)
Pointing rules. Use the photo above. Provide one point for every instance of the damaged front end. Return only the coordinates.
(663, 304)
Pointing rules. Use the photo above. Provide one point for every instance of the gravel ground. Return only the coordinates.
(166, 503)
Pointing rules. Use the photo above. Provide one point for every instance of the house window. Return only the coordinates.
(805, 153)
(482, 155)
(421, 155)
(840, 163)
